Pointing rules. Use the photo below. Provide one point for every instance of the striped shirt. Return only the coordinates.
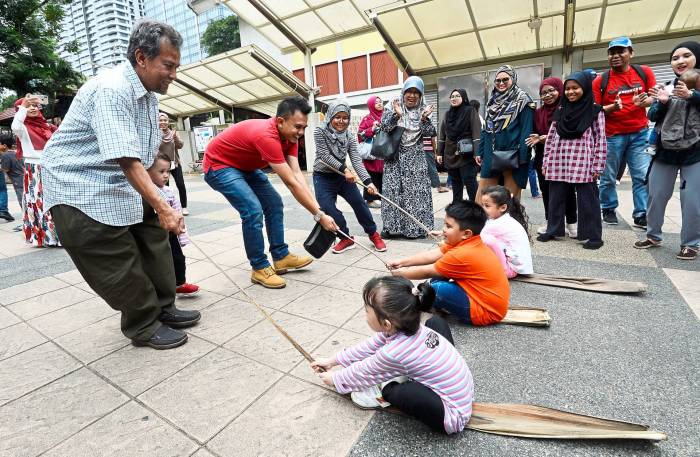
(112, 117)
(336, 159)
(575, 160)
(425, 357)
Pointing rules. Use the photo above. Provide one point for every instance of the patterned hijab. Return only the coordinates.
(337, 141)
(411, 117)
(504, 107)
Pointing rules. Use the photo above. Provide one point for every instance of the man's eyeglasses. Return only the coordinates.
(501, 80)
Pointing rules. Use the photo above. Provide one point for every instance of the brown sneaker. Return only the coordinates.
(687, 253)
(267, 277)
(292, 262)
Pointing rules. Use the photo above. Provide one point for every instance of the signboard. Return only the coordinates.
(202, 137)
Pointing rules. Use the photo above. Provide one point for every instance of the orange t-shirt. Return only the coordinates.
(476, 269)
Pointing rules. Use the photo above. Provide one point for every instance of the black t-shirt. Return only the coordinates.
(10, 164)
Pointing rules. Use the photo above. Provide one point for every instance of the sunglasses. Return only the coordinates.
(501, 81)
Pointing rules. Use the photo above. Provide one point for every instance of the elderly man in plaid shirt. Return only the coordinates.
(110, 218)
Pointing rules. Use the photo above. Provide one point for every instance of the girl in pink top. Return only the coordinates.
(438, 389)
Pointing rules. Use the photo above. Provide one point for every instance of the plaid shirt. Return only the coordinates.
(113, 116)
(575, 160)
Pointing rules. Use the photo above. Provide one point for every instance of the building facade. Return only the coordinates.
(184, 20)
(101, 30)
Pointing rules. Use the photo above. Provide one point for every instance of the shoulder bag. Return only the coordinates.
(385, 145)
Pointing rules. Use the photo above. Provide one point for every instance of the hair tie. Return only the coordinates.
(415, 291)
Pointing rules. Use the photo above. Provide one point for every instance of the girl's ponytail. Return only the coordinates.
(397, 300)
(517, 212)
(426, 296)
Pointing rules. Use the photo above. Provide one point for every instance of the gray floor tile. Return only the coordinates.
(18, 338)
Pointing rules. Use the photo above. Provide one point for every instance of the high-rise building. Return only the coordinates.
(102, 30)
(184, 20)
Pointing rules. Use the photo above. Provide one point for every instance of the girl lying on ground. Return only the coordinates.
(506, 231)
(413, 367)
(468, 278)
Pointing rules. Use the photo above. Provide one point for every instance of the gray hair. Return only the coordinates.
(147, 35)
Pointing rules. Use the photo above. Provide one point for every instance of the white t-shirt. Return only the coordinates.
(516, 245)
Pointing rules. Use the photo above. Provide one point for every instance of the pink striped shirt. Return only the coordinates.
(425, 357)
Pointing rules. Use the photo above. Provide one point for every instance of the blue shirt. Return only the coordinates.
(112, 116)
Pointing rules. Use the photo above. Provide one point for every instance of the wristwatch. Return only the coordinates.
(318, 216)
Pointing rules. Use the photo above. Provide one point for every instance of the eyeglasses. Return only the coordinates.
(455, 96)
(501, 81)
(548, 92)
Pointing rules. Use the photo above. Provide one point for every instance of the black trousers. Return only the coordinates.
(590, 226)
(129, 267)
(176, 173)
(464, 176)
(570, 208)
(377, 178)
(417, 400)
(178, 259)
(328, 187)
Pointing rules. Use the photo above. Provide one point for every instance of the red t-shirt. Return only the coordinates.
(248, 145)
(630, 118)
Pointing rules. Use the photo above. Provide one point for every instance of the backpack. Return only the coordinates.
(606, 77)
(680, 128)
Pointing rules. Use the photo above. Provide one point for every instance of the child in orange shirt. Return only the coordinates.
(467, 276)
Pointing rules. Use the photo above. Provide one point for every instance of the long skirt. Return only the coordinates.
(38, 226)
(406, 182)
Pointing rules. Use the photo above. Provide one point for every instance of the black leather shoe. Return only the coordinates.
(179, 318)
(6, 215)
(164, 338)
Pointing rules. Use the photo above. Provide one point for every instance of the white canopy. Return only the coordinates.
(246, 77)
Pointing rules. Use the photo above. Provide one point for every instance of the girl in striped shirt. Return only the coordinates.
(410, 366)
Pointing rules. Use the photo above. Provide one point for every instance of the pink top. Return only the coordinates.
(365, 127)
(575, 160)
(175, 204)
(426, 357)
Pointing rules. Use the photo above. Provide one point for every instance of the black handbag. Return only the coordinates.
(319, 241)
(507, 159)
(465, 147)
(385, 145)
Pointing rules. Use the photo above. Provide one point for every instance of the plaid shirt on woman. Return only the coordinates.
(113, 116)
(575, 160)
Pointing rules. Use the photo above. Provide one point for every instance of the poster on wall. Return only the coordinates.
(202, 137)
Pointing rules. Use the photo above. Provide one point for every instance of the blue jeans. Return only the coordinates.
(452, 298)
(253, 196)
(629, 147)
(3, 193)
(532, 177)
(432, 170)
(328, 187)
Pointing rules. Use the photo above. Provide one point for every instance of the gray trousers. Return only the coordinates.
(662, 179)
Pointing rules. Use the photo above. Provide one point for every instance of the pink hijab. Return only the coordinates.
(374, 112)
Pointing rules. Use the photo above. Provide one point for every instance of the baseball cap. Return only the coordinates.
(620, 42)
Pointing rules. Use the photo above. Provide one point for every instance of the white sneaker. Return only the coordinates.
(572, 230)
(370, 398)
(542, 229)
(185, 212)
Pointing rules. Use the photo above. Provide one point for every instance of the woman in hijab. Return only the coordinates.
(677, 150)
(551, 94)
(461, 123)
(509, 114)
(574, 157)
(368, 127)
(334, 143)
(406, 179)
(33, 132)
(169, 146)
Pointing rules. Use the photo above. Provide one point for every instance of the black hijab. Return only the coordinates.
(693, 46)
(573, 119)
(457, 118)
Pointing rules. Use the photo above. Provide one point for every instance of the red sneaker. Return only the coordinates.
(378, 242)
(187, 289)
(344, 245)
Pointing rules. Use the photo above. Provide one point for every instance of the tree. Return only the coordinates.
(221, 35)
(29, 31)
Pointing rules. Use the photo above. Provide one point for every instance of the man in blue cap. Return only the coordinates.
(622, 92)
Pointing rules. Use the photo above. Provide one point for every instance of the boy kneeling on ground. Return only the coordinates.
(467, 276)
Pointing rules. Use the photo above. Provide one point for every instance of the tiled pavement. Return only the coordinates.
(72, 385)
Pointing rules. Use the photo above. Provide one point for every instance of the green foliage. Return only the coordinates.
(29, 31)
(221, 35)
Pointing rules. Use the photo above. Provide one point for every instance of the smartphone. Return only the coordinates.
(43, 99)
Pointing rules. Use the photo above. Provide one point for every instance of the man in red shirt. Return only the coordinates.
(622, 92)
(232, 166)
